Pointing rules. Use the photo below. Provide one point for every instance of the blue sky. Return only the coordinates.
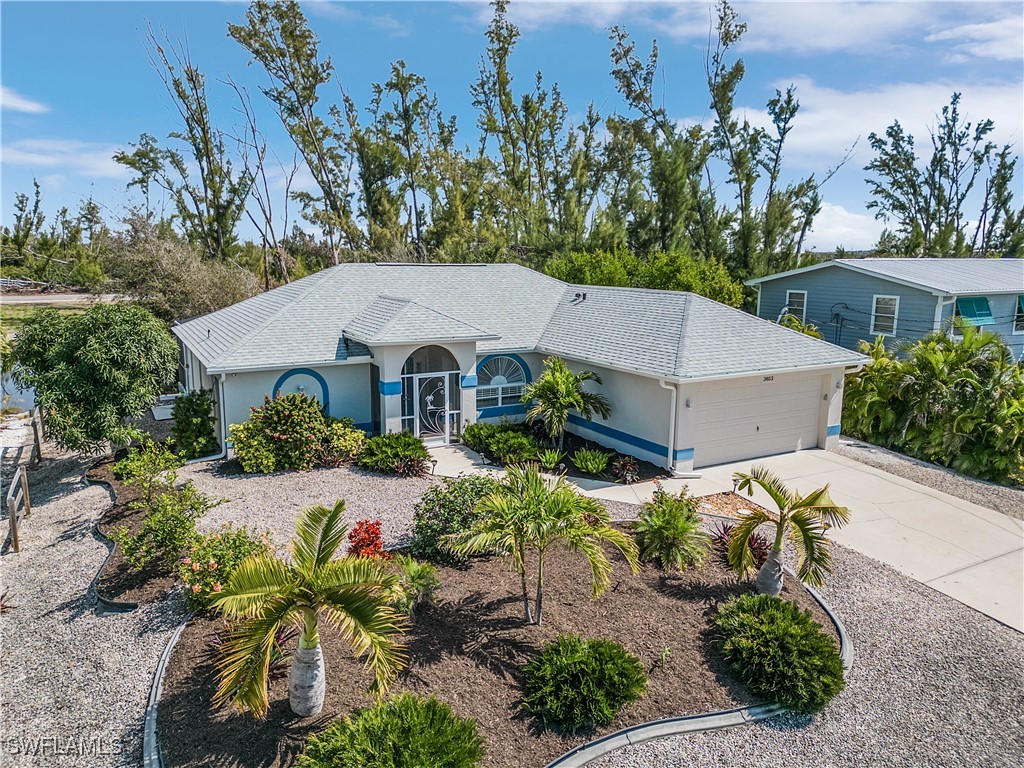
(77, 84)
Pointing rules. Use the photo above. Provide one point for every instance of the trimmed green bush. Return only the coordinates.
(342, 443)
(669, 532)
(591, 460)
(478, 436)
(252, 448)
(513, 447)
(576, 684)
(294, 427)
(194, 431)
(397, 453)
(405, 731)
(446, 508)
(779, 652)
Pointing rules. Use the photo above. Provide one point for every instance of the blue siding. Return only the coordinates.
(839, 302)
(1003, 307)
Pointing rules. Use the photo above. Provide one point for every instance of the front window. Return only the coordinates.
(796, 304)
(972, 310)
(500, 381)
(884, 315)
(1018, 317)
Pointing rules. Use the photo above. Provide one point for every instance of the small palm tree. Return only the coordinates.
(526, 513)
(264, 593)
(804, 520)
(556, 392)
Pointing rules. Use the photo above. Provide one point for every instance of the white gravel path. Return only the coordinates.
(73, 685)
(934, 684)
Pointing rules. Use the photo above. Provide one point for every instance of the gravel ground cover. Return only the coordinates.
(1009, 501)
(73, 685)
(934, 683)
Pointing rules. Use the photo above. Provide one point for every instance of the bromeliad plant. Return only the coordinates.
(526, 513)
(803, 519)
(352, 594)
(558, 391)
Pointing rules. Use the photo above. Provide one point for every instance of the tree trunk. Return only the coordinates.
(769, 578)
(539, 602)
(308, 681)
(527, 616)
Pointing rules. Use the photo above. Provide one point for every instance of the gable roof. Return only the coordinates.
(943, 277)
(335, 315)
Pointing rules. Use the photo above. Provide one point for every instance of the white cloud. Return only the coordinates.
(14, 101)
(1002, 39)
(66, 156)
(836, 227)
(347, 13)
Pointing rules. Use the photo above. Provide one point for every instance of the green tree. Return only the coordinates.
(526, 514)
(94, 370)
(804, 520)
(926, 198)
(264, 593)
(558, 391)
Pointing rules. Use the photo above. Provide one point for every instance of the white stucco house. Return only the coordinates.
(429, 348)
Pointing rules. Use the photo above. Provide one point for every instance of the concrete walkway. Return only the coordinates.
(969, 552)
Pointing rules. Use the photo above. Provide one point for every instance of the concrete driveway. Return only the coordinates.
(969, 552)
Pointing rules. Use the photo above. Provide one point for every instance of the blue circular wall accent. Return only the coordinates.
(325, 401)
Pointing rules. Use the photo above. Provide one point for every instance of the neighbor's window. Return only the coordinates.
(883, 315)
(797, 303)
(1018, 317)
(972, 310)
(500, 381)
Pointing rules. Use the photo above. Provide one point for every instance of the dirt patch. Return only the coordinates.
(118, 581)
(469, 651)
(726, 504)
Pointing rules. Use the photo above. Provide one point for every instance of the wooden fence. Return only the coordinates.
(18, 505)
(38, 434)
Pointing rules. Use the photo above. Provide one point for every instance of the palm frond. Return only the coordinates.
(739, 554)
(369, 626)
(319, 532)
(256, 582)
(820, 503)
(807, 533)
(771, 483)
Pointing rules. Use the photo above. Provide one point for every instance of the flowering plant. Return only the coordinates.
(208, 564)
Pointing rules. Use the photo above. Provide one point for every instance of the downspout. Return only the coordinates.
(671, 425)
(223, 425)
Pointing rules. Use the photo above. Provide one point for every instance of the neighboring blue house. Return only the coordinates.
(854, 299)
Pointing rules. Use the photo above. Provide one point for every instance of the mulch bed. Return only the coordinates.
(647, 470)
(469, 651)
(118, 580)
(726, 504)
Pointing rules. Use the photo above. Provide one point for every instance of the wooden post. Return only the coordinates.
(24, 490)
(37, 435)
(12, 513)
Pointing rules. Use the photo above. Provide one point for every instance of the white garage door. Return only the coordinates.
(745, 418)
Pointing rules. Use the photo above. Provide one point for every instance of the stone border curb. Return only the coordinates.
(152, 756)
(712, 721)
(105, 606)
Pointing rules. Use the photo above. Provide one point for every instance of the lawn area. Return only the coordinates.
(14, 315)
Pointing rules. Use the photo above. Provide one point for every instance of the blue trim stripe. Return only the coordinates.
(501, 410)
(389, 387)
(834, 429)
(684, 454)
(469, 382)
(305, 372)
(625, 437)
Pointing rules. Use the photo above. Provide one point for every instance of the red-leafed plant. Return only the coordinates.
(365, 540)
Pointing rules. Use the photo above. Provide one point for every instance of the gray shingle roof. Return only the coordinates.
(953, 277)
(333, 314)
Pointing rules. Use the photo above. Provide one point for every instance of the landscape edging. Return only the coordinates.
(152, 757)
(710, 721)
(105, 605)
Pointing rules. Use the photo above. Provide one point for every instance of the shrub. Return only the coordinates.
(513, 447)
(149, 466)
(445, 508)
(397, 453)
(294, 427)
(591, 460)
(721, 537)
(576, 684)
(168, 529)
(252, 448)
(194, 430)
(417, 583)
(478, 436)
(626, 469)
(779, 652)
(668, 531)
(342, 442)
(364, 540)
(405, 731)
(212, 558)
(550, 458)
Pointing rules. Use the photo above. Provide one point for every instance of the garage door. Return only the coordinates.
(746, 418)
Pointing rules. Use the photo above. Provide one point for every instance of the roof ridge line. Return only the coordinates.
(684, 327)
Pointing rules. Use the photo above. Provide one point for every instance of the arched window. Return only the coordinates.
(500, 381)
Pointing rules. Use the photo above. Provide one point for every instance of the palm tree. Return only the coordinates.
(556, 392)
(804, 520)
(264, 593)
(526, 513)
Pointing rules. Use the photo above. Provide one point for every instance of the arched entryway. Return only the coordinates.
(431, 395)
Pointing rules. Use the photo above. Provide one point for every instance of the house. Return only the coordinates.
(854, 299)
(428, 348)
